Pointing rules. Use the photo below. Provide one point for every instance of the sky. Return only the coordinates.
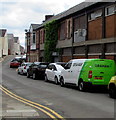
(17, 15)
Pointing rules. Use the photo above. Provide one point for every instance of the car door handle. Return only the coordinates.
(69, 71)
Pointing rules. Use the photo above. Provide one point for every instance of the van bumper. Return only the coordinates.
(89, 85)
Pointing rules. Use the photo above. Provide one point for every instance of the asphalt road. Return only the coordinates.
(67, 101)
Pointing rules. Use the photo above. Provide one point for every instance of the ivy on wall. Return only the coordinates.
(51, 37)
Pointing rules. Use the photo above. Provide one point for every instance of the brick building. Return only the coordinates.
(87, 30)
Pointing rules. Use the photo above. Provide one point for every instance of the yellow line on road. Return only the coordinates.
(30, 102)
(51, 116)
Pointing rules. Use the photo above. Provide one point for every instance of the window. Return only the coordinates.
(69, 29)
(110, 10)
(68, 65)
(95, 15)
(54, 68)
(50, 67)
(62, 31)
(34, 38)
(98, 13)
(91, 16)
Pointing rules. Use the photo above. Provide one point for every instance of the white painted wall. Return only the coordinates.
(1, 47)
(16, 48)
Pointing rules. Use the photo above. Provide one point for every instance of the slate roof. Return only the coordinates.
(73, 10)
(35, 26)
(70, 11)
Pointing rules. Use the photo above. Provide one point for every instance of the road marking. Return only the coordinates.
(21, 111)
(50, 115)
(42, 108)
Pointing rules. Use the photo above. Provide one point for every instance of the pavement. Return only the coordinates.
(11, 108)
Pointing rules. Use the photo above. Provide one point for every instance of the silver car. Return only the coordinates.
(23, 68)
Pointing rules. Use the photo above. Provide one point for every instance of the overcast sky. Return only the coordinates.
(17, 15)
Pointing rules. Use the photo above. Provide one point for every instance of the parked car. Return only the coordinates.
(112, 87)
(53, 72)
(37, 70)
(23, 68)
(15, 63)
(87, 72)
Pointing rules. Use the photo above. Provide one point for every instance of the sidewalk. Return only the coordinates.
(12, 108)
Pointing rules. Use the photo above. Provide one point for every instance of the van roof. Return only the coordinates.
(96, 59)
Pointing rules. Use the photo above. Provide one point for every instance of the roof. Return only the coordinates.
(35, 26)
(2, 32)
(77, 8)
(70, 11)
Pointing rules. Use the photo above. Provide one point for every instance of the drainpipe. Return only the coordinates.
(72, 35)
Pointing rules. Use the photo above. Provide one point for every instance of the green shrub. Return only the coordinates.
(51, 38)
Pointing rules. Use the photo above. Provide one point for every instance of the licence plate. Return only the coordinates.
(98, 78)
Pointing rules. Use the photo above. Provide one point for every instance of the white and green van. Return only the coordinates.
(84, 72)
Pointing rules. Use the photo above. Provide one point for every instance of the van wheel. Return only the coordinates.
(81, 86)
(56, 80)
(46, 78)
(62, 82)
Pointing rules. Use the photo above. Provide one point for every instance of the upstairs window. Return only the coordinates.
(69, 29)
(94, 15)
(34, 38)
(110, 10)
(62, 31)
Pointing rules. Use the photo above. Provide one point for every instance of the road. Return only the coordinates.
(66, 101)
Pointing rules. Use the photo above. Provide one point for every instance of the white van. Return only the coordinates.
(84, 72)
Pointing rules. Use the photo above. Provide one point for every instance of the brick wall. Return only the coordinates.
(111, 26)
(95, 29)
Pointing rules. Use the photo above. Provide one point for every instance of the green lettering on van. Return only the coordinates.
(98, 65)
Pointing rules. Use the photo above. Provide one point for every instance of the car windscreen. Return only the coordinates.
(28, 64)
(61, 63)
(43, 66)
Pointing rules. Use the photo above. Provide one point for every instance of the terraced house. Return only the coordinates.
(87, 30)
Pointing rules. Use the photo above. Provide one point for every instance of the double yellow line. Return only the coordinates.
(49, 112)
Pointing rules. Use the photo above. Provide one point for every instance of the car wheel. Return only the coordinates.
(62, 82)
(28, 76)
(56, 80)
(112, 91)
(81, 86)
(46, 78)
(34, 76)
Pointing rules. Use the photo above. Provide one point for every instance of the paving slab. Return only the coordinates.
(12, 108)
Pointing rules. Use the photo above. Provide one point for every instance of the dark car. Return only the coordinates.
(37, 70)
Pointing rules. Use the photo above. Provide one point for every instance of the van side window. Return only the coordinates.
(68, 65)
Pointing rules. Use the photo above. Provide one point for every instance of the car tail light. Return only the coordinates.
(25, 67)
(90, 74)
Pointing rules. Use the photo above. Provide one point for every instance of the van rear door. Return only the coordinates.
(102, 71)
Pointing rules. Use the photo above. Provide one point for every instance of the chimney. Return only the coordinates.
(48, 17)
